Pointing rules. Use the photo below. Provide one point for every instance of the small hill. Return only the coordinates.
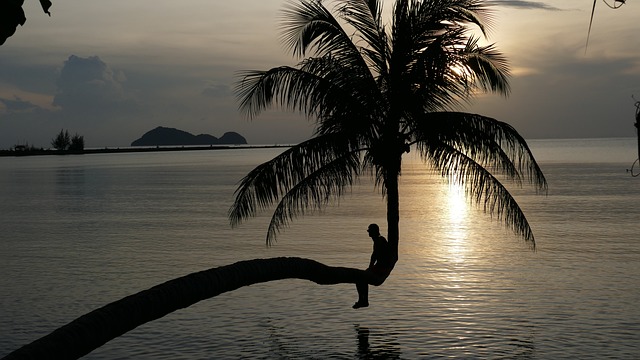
(163, 136)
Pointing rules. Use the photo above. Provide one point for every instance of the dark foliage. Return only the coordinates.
(12, 15)
(62, 141)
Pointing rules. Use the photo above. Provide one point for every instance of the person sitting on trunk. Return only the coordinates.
(379, 268)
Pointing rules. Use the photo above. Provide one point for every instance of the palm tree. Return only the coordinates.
(375, 92)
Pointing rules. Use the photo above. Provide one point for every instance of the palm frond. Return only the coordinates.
(268, 182)
(308, 26)
(315, 191)
(480, 147)
(473, 12)
(365, 16)
(331, 93)
(490, 142)
(480, 185)
(354, 98)
(488, 67)
(431, 46)
(438, 85)
(292, 88)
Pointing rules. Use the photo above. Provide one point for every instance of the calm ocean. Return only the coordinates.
(77, 232)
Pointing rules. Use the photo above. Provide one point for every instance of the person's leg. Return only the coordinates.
(363, 295)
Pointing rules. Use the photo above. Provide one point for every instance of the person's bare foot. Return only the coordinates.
(359, 304)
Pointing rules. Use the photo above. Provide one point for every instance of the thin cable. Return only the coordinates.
(632, 166)
(593, 10)
(616, 5)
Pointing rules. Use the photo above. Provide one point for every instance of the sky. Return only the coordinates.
(113, 70)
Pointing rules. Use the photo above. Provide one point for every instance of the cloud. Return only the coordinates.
(88, 86)
(16, 105)
(85, 95)
(570, 96)
(524, 4)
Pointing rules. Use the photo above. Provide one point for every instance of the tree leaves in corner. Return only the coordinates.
(12, 15)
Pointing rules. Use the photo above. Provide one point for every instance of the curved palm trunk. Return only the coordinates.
(94, 329)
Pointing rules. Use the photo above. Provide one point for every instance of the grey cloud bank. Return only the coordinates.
(133, 70)
(88, 83)
(111, 108)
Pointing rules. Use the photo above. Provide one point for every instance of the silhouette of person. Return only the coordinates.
(379, 268)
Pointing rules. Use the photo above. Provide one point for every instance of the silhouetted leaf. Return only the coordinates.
(11, 15)
(46, 4)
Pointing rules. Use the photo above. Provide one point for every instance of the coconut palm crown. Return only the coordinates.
(376, 91)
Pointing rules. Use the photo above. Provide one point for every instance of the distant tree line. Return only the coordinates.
(63, 141)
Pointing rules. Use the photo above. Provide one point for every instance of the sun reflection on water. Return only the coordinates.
(456, 232)
(438, 213)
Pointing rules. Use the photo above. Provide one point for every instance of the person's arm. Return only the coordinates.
(374, 255)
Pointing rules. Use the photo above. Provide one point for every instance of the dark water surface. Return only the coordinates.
(77, 232)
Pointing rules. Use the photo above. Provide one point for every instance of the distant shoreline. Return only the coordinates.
(107, 150)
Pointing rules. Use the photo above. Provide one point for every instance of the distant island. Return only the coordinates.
(158, 139)
(164, 136)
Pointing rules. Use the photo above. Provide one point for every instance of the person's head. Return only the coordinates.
(373, 230)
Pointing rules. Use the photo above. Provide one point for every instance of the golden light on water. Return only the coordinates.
(457, 203)
(457, 213)
(438, 213)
